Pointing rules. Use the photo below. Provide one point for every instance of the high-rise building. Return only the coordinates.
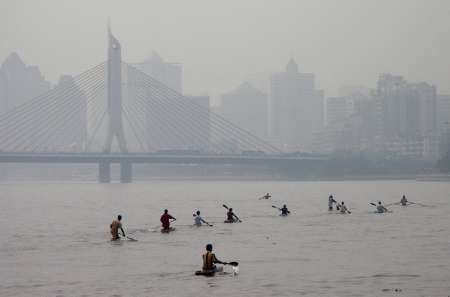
(158, 119)
(19, 82)
(408, 110)
(201, 113)
(443, 112)
(296, 109)
(184, 128)
(337, 110)
(443, 123)
(170, 74)
(246, 107)
(73, 108)
(3, 92)
(353, 124)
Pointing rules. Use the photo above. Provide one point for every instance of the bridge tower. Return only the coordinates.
(114, 95)
(115, 126)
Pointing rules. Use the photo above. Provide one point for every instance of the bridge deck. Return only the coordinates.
(149, 158)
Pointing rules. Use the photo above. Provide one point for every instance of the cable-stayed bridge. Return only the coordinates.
(114, 113)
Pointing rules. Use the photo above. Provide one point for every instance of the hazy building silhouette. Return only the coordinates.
(168, 73)
(443, 123)
(443, 112)
(246, 107)
(351, 124)
(260, 81)
(200, 111)
(3, 92)
(296, 109)
(409, 109)
(176, 130)
(19, 82)
(73, 108)
(337, 110)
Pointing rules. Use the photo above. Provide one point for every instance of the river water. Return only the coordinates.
(55, 239)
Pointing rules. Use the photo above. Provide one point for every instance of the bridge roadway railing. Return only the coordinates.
(126, 161)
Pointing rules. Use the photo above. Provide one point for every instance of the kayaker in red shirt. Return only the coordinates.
(165, 220)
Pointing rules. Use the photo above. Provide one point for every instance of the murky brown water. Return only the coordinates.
(55, 239)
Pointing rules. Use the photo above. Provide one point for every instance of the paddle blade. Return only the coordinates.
(225, 206)
(274, 206)
(233, 264)
(372, 204)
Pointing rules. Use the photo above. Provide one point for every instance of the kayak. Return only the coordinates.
(284, 215)
(230, 221)
(122, 239)
(209, 272)
(205, 272)
(377, 212)
(334, 212)
(168, 230)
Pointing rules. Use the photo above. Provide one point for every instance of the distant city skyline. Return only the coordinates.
(218, 54)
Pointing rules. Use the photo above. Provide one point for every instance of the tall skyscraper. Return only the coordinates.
(247, 108)
(175, 130)
(19, 82)
(296, 109)
(337, 110)
(352, 123)
(73, 107)
(199, 111)
(408, 109)
(443, 112)
(3, 92)
(170, 74)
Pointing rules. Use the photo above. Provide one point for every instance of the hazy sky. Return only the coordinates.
(221, 42)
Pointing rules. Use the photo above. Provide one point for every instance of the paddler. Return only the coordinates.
(165, 220)
(115, 226)
(198, 220)
(330, 203)
(404, 201)
(381, 208)
(267, 196)
(209, 259)
(284, 210)
(343, 208)
(231, 217)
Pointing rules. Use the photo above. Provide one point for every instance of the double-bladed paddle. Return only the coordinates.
(420, 204)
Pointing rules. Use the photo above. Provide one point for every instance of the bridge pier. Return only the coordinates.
(104, 172)
(126, 172)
